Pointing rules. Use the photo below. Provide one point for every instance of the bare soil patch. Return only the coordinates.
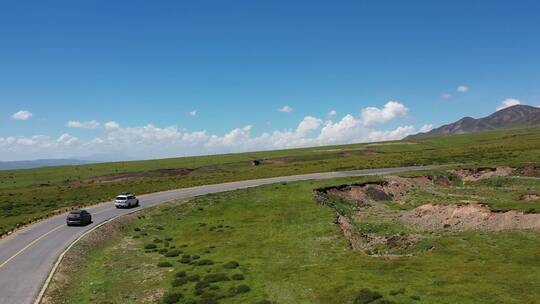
(529, 197)
(529, 171)
(471, 175)
(469, 216)
(110, 178)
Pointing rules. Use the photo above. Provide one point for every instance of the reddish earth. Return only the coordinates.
(469, 216)
(110, 178)
(529, 171)
(471, 175)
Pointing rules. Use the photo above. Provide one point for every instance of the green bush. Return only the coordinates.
(195, 257)
(366, 296)
(185, 260)
(239, 289)
(172, 253)
(237, 276)
(164, 264)
(150, 246)
(194, 278)
(231, 265)
(205, 262)
(171, 298)
(202, 285)
(181, 274)
(186, 256)
(137, 229)
(163, 250)
(216, 277)
(179, 282)
(158, 240)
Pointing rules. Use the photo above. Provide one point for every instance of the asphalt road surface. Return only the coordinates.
(28, 255)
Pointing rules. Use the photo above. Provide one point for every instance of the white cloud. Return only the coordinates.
(151, 141)
(446, 95)
(285, 109)
(391, 110)
(462, 88)
(193, 113)
(91, 124)
(508, 102)
(111, 125)
(426, 128)
(331, 114)
(22, 115)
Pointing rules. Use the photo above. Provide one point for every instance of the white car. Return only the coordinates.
(126, 200)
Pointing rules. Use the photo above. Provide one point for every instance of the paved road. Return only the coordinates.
(28, 255)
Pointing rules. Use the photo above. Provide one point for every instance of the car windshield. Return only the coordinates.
(121, 198)
(74, 215)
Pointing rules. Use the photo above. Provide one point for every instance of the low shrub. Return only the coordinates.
(179, 282)
(150, 246)
(186, 256)
(171, 298)
(416, 298)
(237, 276)
(163, 250)
(164, 264)
(239, 289)
(195, 257)
(202, 285)
(172, 253)
(158, 240)
(194, 278)
(185, 260)
(181, 274)
(137, 229)
(205, 262)
(231, 265)
(168, 239)
(216, 277)
(366, 296)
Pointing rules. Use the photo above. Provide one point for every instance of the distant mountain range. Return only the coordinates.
(517, 116)
(27, 164)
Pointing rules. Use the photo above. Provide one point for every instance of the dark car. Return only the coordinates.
(79, 217)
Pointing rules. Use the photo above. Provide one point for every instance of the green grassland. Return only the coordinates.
(27, 195)
(289, 250)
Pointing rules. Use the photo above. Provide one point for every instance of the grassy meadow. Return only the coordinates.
(277, 244)
(30, 194)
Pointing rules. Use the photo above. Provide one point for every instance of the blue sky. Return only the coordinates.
(151, 63)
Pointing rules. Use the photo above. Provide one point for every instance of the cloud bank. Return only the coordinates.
(151, 141)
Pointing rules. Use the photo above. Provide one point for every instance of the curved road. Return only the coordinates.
(28, 255)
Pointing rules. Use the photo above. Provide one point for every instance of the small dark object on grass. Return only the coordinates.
(396, 292)
(194, 278)
(216, 277)
(168, 239)
(164, 264)
(150, 246)
(179, 282)
(172, 253)
(136, 236)
(214, 287)
(159, 227)
(237, 276)
(195, 257)
(185, 260)
(181, 274)
(186, 256)
(264, 302)
(205, 262)
(385, 301)
(158, 240)
(416, 298)
(239, 289)
(201, 285)
(171, 298)
(231, 265)
(137, 229)
(163, 250)
(366, 296)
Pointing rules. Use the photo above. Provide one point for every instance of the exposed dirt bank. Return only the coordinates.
(469, 216)
(471, 175)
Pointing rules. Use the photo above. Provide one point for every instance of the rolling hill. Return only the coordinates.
(511, 117)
